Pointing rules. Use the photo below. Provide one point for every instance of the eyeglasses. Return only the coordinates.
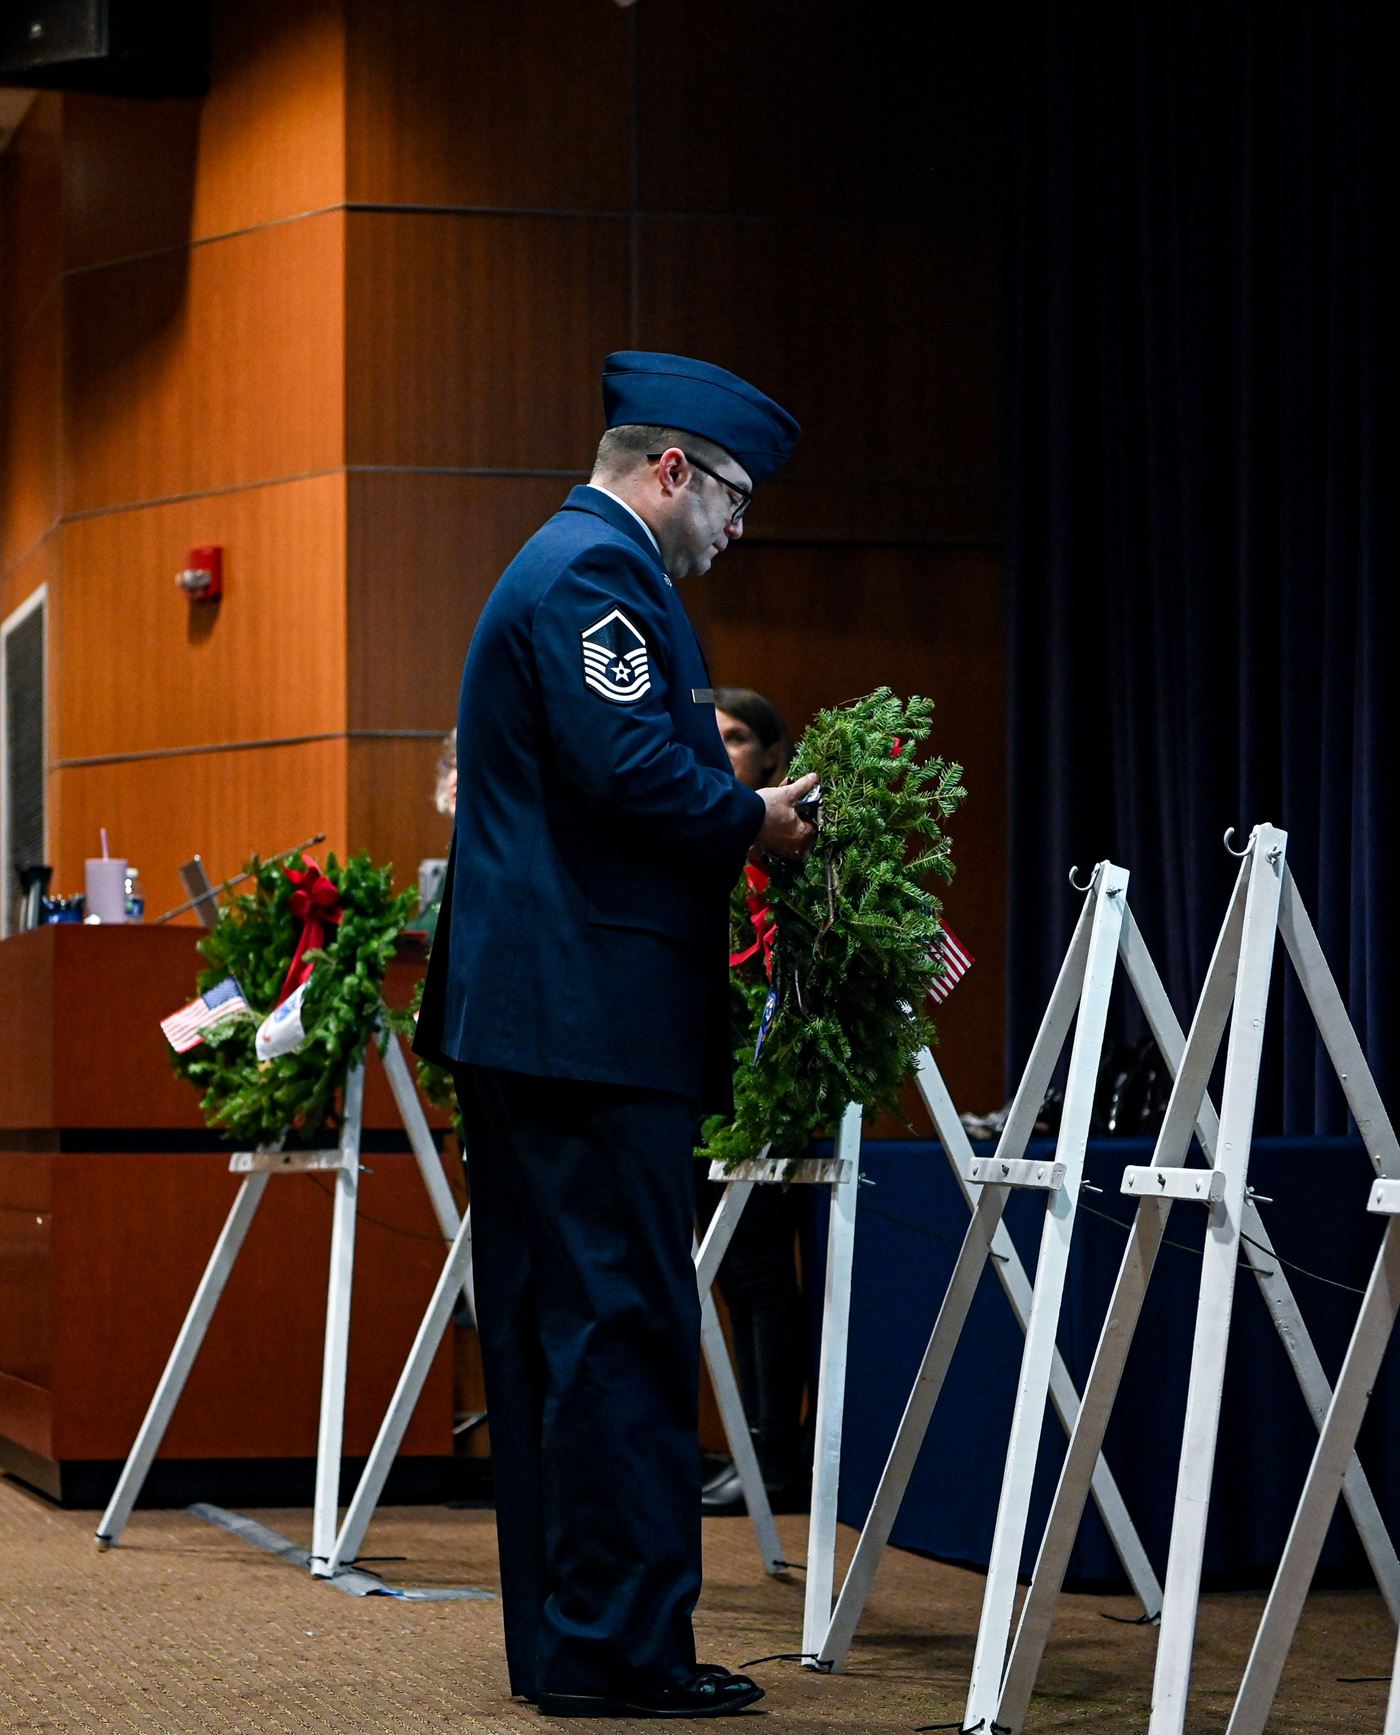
(741, 494)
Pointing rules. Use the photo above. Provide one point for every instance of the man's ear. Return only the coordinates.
(673, 468)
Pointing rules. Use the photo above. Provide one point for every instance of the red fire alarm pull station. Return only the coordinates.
(203, 579)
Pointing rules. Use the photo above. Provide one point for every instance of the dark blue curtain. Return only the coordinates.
(1201, 529)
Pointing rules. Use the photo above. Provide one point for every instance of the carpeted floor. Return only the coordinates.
(186, 1627)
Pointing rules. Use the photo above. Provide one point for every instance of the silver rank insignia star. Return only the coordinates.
(615, 659)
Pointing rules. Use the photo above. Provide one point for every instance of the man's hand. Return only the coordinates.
(783, 831)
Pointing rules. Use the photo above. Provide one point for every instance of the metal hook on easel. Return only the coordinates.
(1088, 884)
(1275, 854)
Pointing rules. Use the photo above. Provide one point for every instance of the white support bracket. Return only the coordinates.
(806, 1171)
(1017, 1172)
(1196, 1186)
(1385, 1198)
(274, 1162)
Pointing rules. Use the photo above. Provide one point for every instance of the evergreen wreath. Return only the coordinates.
(831, 996)
(257, 1102)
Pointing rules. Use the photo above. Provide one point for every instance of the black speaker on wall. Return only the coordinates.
(120, 47)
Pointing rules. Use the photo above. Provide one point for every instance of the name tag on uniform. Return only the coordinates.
(702, 695)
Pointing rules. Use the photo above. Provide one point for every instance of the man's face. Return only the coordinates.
(702, 520)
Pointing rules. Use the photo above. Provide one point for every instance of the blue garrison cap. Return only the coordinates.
(673, 391)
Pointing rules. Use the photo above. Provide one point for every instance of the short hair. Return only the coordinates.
(624, 449)
(446, 765)
(760, 714)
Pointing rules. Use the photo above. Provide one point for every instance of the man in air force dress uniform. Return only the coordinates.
(578, 991)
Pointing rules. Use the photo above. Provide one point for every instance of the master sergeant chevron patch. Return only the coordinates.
(615, 661)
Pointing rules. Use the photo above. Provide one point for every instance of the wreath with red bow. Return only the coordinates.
(335, 930)
(831, 957)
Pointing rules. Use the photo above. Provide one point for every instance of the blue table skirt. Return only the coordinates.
(910, 1222)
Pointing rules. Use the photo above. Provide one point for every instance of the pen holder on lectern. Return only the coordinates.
(33, 884)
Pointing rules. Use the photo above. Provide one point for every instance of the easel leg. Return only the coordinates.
(1062, 1526)
(1335, 1445)
(1190, 1064)
(736, 1431)
(1312, 1379)
(1335, 1027)
(333, 1365)
(406, 1394)
(708, 1256)
(720, 1231)
(987, 1210)
(1392, 1709)
(177, 1369)
(1364, 1101)
(1052, 1266)
(1016, 1286)
(831, 1386)
(1172, 1678)
(426, 1154)
(913, 1426)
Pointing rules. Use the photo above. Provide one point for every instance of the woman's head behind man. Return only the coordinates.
(754, 734)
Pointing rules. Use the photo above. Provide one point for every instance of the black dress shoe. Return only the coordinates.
(709, 1693)
(723, 1495)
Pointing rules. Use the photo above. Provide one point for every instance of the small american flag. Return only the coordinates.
(957, 961)
(224, 1000)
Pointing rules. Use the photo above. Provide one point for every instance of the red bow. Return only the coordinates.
(315, 902)
(765, 925)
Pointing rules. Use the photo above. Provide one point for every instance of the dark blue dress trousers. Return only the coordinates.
(582, 1216)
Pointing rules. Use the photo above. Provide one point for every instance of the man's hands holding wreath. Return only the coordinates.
(784, 831)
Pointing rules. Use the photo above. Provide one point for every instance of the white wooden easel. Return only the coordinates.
(1083, 985)
(1263, 902)
(258, 1167)
(839, 1172)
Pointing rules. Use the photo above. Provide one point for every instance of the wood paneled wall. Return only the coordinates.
(31, 348)
(174, 351)
(794, 192)
(204, 368)
(269, 664)
(345, 315)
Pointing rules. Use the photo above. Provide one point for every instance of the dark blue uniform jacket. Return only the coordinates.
(599, 829)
